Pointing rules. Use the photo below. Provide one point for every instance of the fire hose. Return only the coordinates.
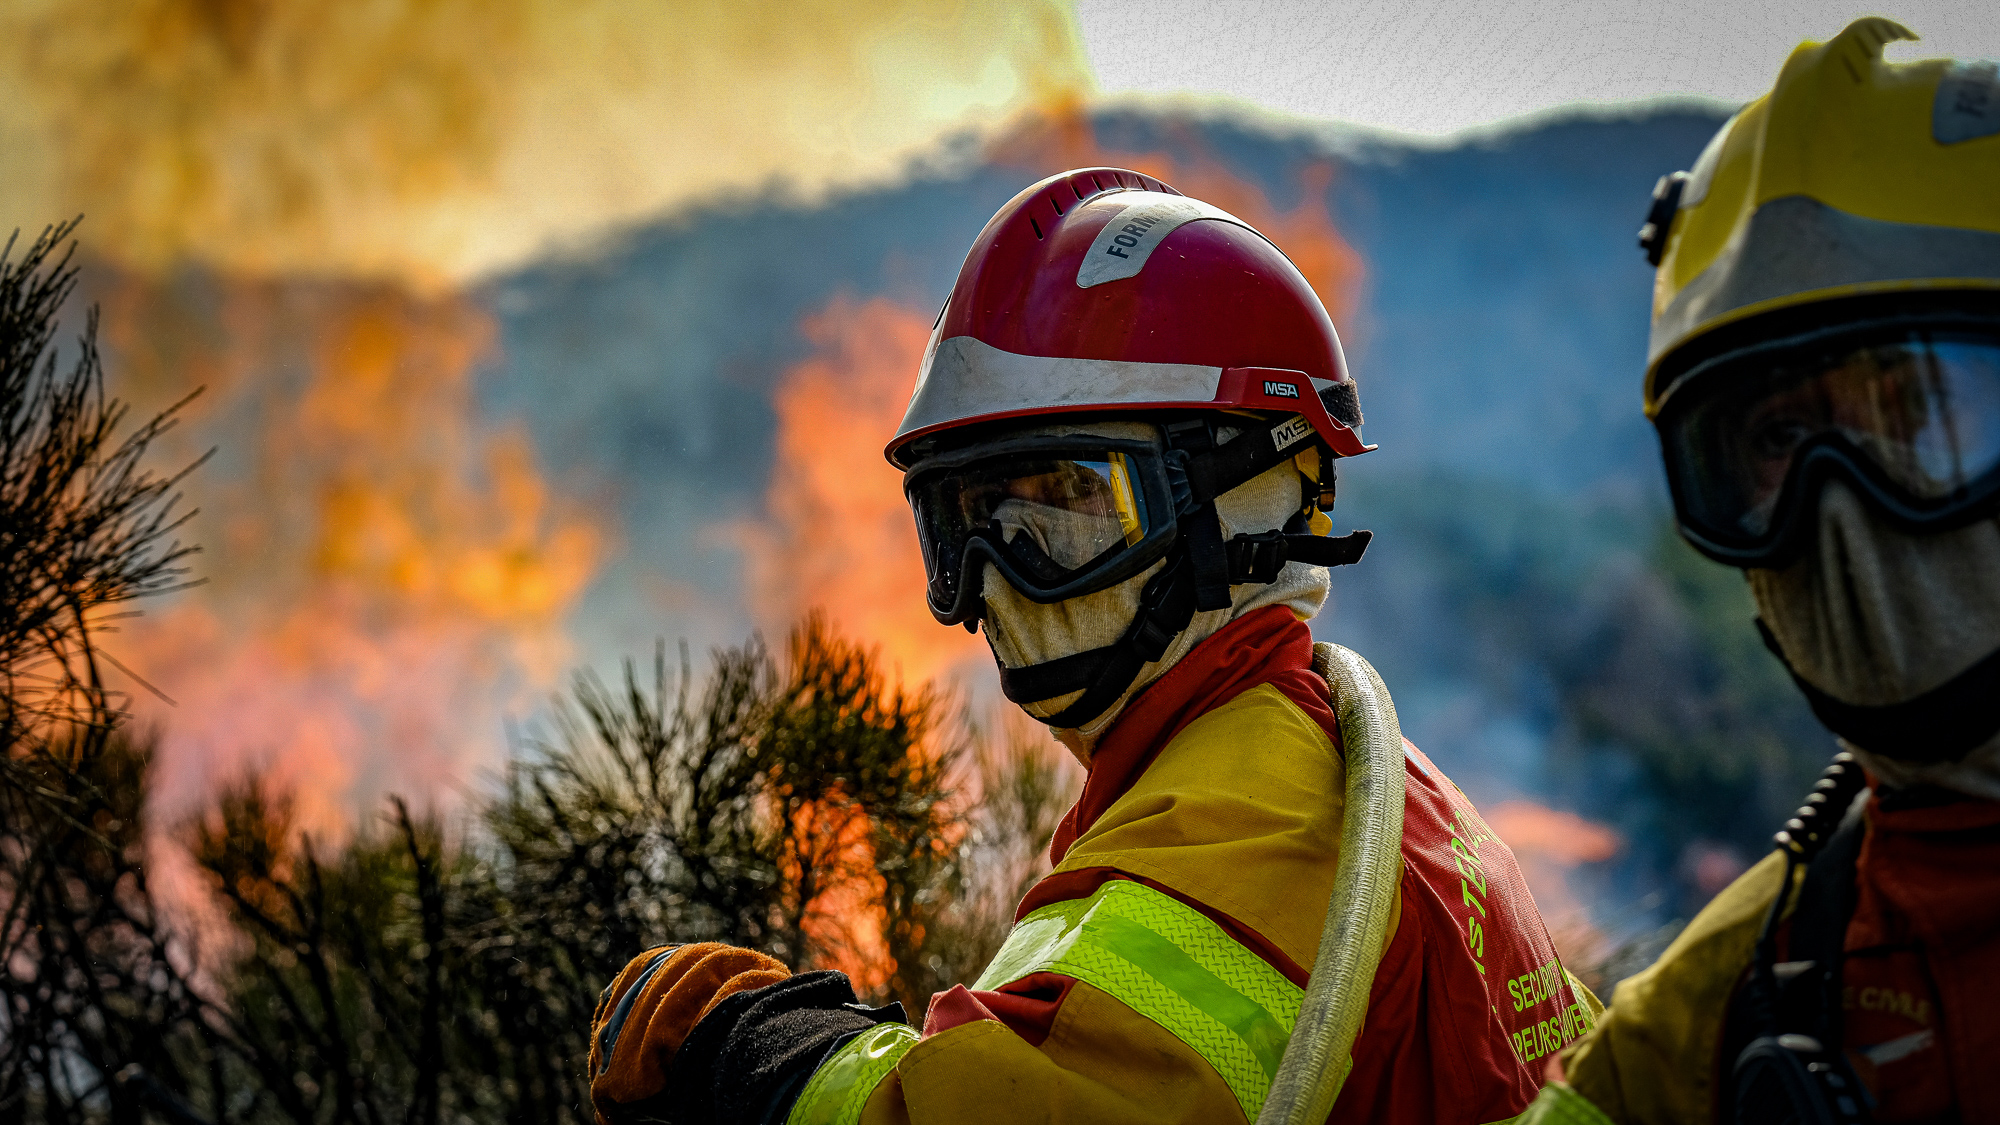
(1319, 1054)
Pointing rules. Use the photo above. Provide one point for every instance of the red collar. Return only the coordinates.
(1945, 812)
(1268, 646)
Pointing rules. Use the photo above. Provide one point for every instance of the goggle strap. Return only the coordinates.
(1215, 469)
(1941, 725)
(1202, 532)
(1211, 471)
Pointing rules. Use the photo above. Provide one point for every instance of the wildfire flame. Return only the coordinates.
(1549, 844)
(1562, 838)
(838, 535)
(386, 579)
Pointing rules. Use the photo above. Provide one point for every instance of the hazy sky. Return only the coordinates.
(1439, 67)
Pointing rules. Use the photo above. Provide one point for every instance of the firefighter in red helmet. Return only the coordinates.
(1265, 905)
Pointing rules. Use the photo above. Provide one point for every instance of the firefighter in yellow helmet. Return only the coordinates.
(1824, 373)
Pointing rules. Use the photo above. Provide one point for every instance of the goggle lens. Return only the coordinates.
(1055, 519)
(1923, 412)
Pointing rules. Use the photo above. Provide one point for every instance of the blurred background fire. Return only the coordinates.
(532, 333)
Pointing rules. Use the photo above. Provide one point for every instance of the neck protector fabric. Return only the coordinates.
(1022, 632)
(1888, 632)
(1266, 646)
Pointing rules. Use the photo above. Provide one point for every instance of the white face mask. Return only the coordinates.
(1022, 632)
(1873, 616)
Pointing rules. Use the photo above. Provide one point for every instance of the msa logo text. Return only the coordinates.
(1290, 432)
(1280, 390)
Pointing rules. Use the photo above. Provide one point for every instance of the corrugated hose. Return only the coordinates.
(1319, 1054)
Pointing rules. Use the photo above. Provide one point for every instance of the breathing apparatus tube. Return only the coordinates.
(1320, 1053)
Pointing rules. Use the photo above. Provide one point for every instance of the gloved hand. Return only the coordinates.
(646, 1013)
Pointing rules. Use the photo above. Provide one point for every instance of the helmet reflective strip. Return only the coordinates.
(967, 378)
(1146, 218)
(1165, 961)
(1797, 245)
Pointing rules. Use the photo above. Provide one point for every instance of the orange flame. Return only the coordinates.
(386, 578)
(1562, 838)
(838, 534)
(1549, 843)
(842, 916)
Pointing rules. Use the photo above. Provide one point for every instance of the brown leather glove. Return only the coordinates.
(645, 1015)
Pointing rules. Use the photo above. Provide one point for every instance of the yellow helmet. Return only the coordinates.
(1853, 175)
(1858, 193)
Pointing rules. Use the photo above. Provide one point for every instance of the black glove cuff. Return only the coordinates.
(747, 1061)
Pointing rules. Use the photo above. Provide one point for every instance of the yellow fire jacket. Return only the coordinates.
(1654, 1055)
(1920, 1009)
(1155, 975)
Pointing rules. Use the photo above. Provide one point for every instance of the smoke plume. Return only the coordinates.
(435, 141)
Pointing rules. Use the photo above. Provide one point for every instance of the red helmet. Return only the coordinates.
(1102, 289)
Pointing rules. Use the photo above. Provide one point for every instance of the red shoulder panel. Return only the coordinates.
(1470, 995)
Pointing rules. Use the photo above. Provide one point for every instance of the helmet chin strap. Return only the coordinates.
(1941, 725)
(1166, 605)
(1197, 574)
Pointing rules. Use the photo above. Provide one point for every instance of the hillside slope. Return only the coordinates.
(1544, 632)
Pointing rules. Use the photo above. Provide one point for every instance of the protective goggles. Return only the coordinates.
(1058, 517)
(1905, 412)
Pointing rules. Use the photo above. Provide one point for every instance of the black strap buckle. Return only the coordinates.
(1156, 624)
(1259, 558)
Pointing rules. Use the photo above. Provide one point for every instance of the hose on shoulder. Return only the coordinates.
(1319, 1055)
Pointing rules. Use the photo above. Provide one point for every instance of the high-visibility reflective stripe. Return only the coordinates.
(838, 1091)
(1560, 1104)
(1164, 960)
